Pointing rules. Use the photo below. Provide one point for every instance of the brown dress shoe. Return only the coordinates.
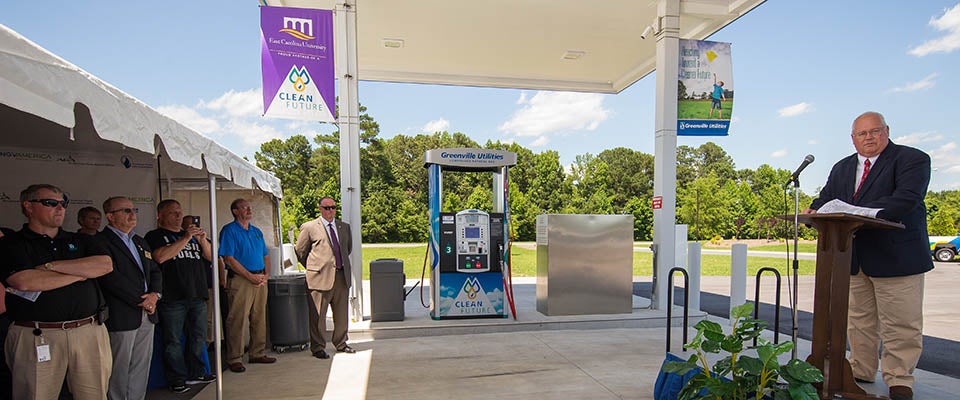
(901, 393)
(263, 360)
(237, 367)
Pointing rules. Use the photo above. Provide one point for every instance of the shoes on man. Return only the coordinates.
(263, 360)
(901, 393)
(321, 355)
(237, 367)
(179, 388)
(205, 378)
(346, 349)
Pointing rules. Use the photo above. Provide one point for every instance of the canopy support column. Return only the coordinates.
(665, 147)
(348, 119)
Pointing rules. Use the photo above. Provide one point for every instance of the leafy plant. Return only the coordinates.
(739, 376)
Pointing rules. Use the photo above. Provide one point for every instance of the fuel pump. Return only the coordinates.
(468, 247)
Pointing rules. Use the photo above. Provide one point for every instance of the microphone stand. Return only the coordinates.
(796, 263)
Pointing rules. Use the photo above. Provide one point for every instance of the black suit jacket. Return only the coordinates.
(123, 287)
(897, 183)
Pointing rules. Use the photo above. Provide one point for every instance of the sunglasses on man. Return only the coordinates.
(329, 207)
(52, 203)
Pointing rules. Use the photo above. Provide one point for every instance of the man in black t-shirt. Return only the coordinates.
(183, 255)
(57, 329)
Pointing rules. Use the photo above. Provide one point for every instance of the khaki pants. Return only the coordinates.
(248, 309)
(81, 355)
(336, 299)
(887, 311)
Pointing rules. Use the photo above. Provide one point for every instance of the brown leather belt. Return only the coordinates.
(57, 325)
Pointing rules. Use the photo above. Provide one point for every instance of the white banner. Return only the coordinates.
(87, 178)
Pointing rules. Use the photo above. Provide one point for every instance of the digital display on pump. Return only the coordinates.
(471, 233)
(471, 219)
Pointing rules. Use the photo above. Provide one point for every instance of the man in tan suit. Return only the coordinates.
(324, 247)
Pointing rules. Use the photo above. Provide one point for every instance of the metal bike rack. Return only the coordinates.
(756, 302)
(686, 302)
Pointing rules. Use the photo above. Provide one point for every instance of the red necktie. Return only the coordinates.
(336, 246)
(863, 178)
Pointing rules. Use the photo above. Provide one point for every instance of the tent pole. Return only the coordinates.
(215, 240)
(159, 180)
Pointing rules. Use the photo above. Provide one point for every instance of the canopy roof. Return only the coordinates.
(519, 43)
(64, 107)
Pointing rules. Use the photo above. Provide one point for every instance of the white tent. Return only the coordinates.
(64, 126)
(62, 123)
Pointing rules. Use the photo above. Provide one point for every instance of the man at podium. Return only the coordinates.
(887, 266)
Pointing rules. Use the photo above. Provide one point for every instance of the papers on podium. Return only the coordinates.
(839, 206)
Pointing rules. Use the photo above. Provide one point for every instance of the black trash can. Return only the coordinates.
(386, 289)
(288, 310)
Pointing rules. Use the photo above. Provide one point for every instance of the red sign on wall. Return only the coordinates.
(657, 202)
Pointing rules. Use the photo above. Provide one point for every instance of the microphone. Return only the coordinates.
(806, 161)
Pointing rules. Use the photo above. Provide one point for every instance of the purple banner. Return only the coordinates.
(296, 55)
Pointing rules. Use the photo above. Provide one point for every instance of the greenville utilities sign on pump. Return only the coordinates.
(470, 158)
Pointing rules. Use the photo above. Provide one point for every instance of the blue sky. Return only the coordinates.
(803, 71)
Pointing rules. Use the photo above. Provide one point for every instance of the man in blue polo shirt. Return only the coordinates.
(248, 262)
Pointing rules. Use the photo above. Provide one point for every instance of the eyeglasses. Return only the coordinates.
(329, 207)
(125, 210)
(52, 203)
(873, 133)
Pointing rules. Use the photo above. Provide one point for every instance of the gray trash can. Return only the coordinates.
(386, 289)
(287, 308)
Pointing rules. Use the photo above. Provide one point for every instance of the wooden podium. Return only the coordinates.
(831, 299)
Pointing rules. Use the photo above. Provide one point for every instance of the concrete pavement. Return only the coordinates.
(538, 357)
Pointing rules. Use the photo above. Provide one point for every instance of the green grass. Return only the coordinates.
(525, 262)
(801, 247)
(700, 109)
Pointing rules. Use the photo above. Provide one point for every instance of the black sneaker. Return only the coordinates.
(205, 378)
(179, 388)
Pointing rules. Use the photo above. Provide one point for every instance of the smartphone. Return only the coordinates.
(196, 221)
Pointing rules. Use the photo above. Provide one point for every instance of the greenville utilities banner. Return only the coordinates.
(705, 89)
(297, 59)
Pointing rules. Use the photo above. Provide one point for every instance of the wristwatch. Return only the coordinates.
(159, 296)
(48, 266)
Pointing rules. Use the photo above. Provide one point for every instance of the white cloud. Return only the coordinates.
(248, 103)
(556, 112)
(437, 125)
(925, 83)
(796, 109)
(949, 24)
(190, 118)
(778, 154)
(918, 137)
(234, 119)
(541, 141)
(252, 133)
(944, 157)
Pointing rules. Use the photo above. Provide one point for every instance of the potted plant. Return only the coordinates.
(740, 376)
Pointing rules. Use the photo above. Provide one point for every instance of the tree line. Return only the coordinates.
(714, 198)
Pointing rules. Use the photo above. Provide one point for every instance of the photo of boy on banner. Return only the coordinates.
(704, 88)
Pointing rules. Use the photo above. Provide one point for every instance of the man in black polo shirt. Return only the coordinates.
(56, 331)
(183, 255)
